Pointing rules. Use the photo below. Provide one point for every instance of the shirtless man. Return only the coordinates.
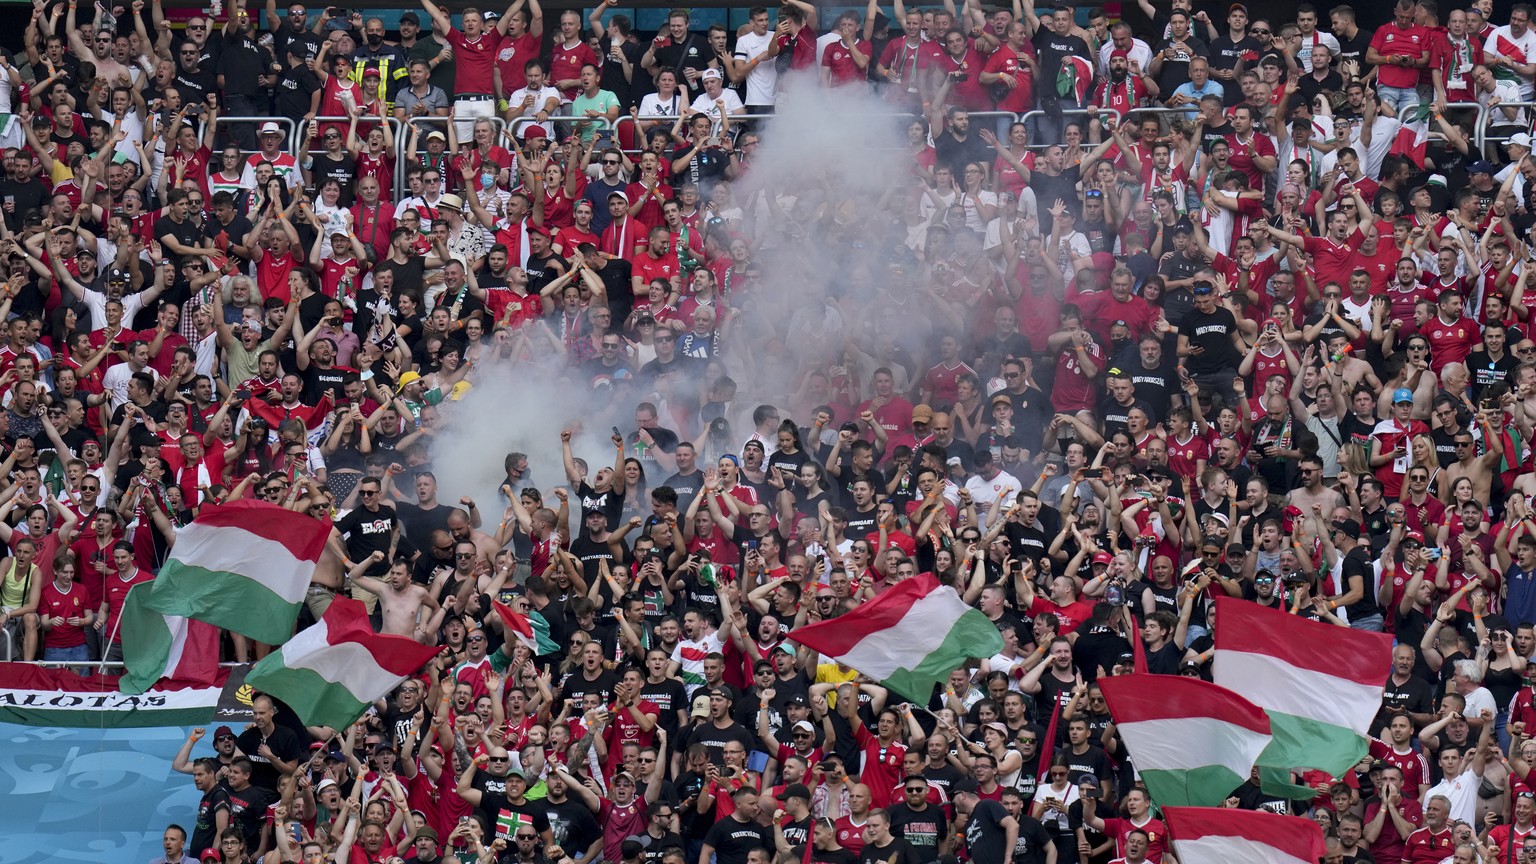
(463, 531)
(399, 599)
(1312, 491)
(1352, 370)
(1479, 469)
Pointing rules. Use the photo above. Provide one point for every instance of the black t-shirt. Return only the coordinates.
(20, 197)
(1052, 50)
(734, 840)
(368, 533)
(714, 739)
(1032, 841)
(571, 823)
(955, 154)
(344, 170)
(185, 232)
(283, 743)
(668, 696)
(898, 851)
(248, 809)
(1050, 188)
(208, 807)
(1212, 332)
(922, 828)
(419, 523)
(984, 832)
(1487, 372)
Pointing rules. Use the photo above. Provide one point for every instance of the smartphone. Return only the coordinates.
(1433, 553)
(242, 394)
(616, 432)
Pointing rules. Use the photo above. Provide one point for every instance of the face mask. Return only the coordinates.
(487, 180)
(375, 39)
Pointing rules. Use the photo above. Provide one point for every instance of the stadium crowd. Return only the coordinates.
(1220, 305)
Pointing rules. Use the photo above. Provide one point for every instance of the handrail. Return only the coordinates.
(1485, 119)
(282, 121)
(402, 150)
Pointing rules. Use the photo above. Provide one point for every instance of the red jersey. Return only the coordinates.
(510, 59)
(1390, 434)
(565, 63)
(881, 765)
(1242, 157)
(1120, 97)
(623, 237)
(194, 166)
(1184, 457)
(568, 238)
(1266, 367)
(969, 93)
(1426, 846)
(648, 267)
(1075, 391)
(381, 168)
(943, 381)
(1333, 261)
(1450, 342)
(473, 62)
(272, 274)
(1157, 836)
(63, 604)
(116, 594)
(373, 225)
(838, 59)
(1003, 60)
(1411, 41)
(650, 212)
(1414, 766)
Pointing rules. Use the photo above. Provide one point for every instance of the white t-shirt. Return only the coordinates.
(763, 80)
(115, 382)
(1524, 52)
(97, 302)
(707, 105)
(652, 105)
(540, 96)
(1462, 791)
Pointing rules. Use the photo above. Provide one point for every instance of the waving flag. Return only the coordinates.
(1074, 79)
(243, 566)
(909, 638)
(160, 647)
(1229, 836)
(329, 674)
(1413, 135)
(531, 629)
(1192, 742)
(1320, 684)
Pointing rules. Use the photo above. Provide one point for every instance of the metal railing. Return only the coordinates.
(1494, 116)
(285, 122)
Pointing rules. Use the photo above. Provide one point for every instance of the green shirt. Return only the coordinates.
(600, 103)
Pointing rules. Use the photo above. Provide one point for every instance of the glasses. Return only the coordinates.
(476, 639)
(368, 492)
(1010, 375)
(527, 836)
(611, 162)
(498, 759)
(442, 548)
(1058, 774)
(1461, 444)
(916, 791)
(1257, 32)
(189, 53)
(197, 26)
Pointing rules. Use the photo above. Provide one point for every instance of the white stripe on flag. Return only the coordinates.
(233, 550)
(919, 633)
(1233, 850)
(347, 664)
(1166, 744)
(1274, 685)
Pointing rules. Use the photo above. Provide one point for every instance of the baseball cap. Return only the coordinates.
(701, 705)
(712, 73)
(619, 194)
(921, 413)
(119, 275)
(436, 134)
(1348, 527)
(1414, 535)
(270, 128)
(1002, 397)
(624, 774)
(1519, 139)
(324, 785)
(1479, 167)
(1102, 558)
(1401, 395)
(804, 726)
(794, 790)
(222, 731)
(210, 852)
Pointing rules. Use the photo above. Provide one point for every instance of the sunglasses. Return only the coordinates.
(478, 639)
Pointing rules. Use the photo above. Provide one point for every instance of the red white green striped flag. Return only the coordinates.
(243, 566)
(160, 647)
(1320, 684)
(910, 638)
(330, 673)
(531, 629)
(1192, 742)
(1233, 836)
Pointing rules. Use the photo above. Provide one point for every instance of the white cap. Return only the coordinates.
(1519, 139)
(804, 726)
(712, 73)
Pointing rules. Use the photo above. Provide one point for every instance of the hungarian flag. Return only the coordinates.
(910, 638)
(1413, 135)
(243, 566)
(1074, 79)
(1242, 836)
(1192, 742)
(164, 647)
(1509, 51)
(1320, 684)
(330, 673)
(531, 629)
